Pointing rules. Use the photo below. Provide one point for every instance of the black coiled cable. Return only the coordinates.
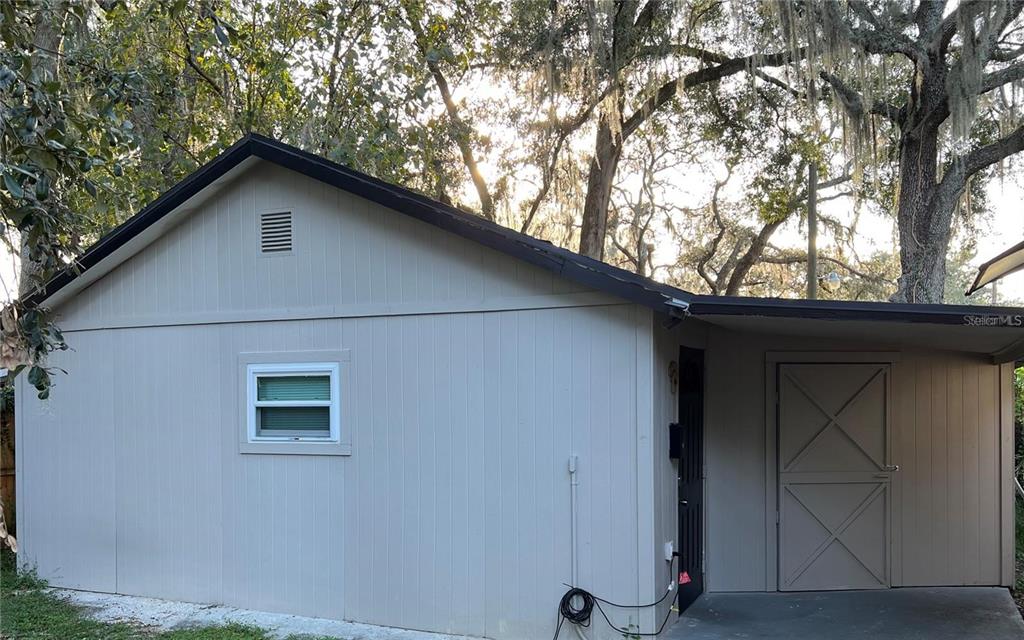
(568, 609)
(577, 606)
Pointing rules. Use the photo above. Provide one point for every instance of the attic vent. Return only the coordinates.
(276, 232)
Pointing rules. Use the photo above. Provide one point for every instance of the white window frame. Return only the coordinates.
(279, 370)
(339, 360)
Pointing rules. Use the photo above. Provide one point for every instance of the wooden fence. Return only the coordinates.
(7, 462)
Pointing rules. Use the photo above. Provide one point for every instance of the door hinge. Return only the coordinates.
(777, 518)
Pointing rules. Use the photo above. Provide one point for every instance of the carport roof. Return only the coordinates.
(996, 323)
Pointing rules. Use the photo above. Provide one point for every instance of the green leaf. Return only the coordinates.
(221, 34)
(43, 159)
(36, 375)
(43, 187)
(13, 187)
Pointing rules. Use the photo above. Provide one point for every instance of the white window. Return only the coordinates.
(294, 402)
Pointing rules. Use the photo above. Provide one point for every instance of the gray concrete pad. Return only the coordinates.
(963, 613)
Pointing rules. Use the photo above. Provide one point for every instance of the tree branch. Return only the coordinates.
(862, 11)
(944, 33)
(876, 40)
(189, 59)
(710, 56)
(992, 153)
(928, 17)
(753, 254)
(1000, 55)
(460, 127)
(728, 67)
(955, 179)
(854, 102)
(801, 258)
(998, 78)
(546, 179)
(707, 255)
(1013, 9)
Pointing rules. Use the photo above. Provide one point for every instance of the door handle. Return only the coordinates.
(891, 467)
(684, 503)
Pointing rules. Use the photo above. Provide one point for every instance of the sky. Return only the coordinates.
(1005, 230)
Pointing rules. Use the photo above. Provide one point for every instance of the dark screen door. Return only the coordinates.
(691, 471)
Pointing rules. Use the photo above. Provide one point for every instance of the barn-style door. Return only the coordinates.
(834, 476)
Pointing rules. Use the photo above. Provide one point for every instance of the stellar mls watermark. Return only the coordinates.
(1008, 320)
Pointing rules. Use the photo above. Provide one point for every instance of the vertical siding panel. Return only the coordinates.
(457, 385)
(903, 439)
(443, 565)
(493, 584)
(387, 460)
(393, 394)
(526, 438)
(581, 421)
(123, 458)
(1007, 494)
(954, 569)
(939, 472)
(988, 387)
(972, 497)
(924, 548)
(480, 462)
(358, 552)
(508, 489)
(550, 483)
(563, 442)
(432, 576)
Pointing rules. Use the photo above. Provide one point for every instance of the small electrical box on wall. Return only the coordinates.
(675, 441)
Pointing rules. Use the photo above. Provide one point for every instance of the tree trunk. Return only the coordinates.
(603, 165)
(925, 229)
(751, 257)
(924, 212)
(47, 43)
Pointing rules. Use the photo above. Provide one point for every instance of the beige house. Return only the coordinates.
(296, 388)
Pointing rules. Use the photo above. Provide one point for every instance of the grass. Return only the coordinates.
(28, 611)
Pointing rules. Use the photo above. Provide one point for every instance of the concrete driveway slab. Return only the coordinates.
(948, 613)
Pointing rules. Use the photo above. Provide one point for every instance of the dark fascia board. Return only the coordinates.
(949, 314)
(988, 263)
(573, 266)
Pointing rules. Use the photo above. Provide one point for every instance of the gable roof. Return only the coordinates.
(573, 266)
(116, 246)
